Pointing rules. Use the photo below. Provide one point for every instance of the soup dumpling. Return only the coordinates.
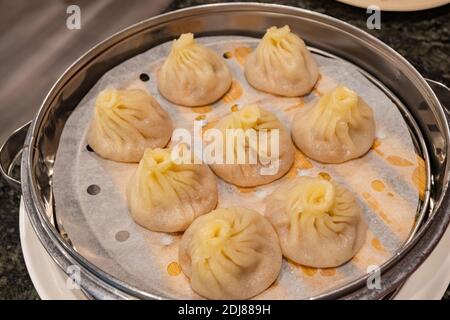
(165, 196)
(338, 127)
(193, 75)
(125, 123)
(281, 64)
(319, 223)
(269, 164)
(230, 253)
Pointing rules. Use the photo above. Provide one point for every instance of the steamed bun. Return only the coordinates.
(319, 223)
(281, 64)
(338, 127)
(268, 166)
(230, 253)
(165, 196)
(193, 75)
(125, 123)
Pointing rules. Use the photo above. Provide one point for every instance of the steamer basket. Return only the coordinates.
(421, 102)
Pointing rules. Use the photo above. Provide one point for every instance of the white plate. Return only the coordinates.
(397, 5)
(47, 277)
(429, 281)
(433, 277)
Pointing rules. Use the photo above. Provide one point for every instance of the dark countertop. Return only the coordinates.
(423, 38)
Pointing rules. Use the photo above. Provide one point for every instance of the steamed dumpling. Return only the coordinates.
(230, 253)
(271, 158)
(165, 196)
(125, 123)
(281, 64)
(193, 75)
(338, 127)
(319, 223)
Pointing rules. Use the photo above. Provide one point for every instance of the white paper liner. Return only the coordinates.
(101, 229)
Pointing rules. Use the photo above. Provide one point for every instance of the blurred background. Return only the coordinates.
(36, 47)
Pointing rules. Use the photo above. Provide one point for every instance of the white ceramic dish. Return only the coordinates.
(48, 279)
(397, 5)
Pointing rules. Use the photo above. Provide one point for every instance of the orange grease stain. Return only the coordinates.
(324, 176)
(234, 93)
(241, 54)
(300, 162)
(308, 271)
(377, 244)
(246, 189)
(173, 269)
(419, 177)
(376, 144)
(373, 203)
(202, 110)
(330, 272)
(399, 161)
(378, 185)
(200, 117)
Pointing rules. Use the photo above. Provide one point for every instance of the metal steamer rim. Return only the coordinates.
(39, 149)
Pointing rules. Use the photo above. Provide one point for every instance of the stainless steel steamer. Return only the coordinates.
(422, 102)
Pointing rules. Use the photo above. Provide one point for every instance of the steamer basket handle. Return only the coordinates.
(443, 94)
(10, 152)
